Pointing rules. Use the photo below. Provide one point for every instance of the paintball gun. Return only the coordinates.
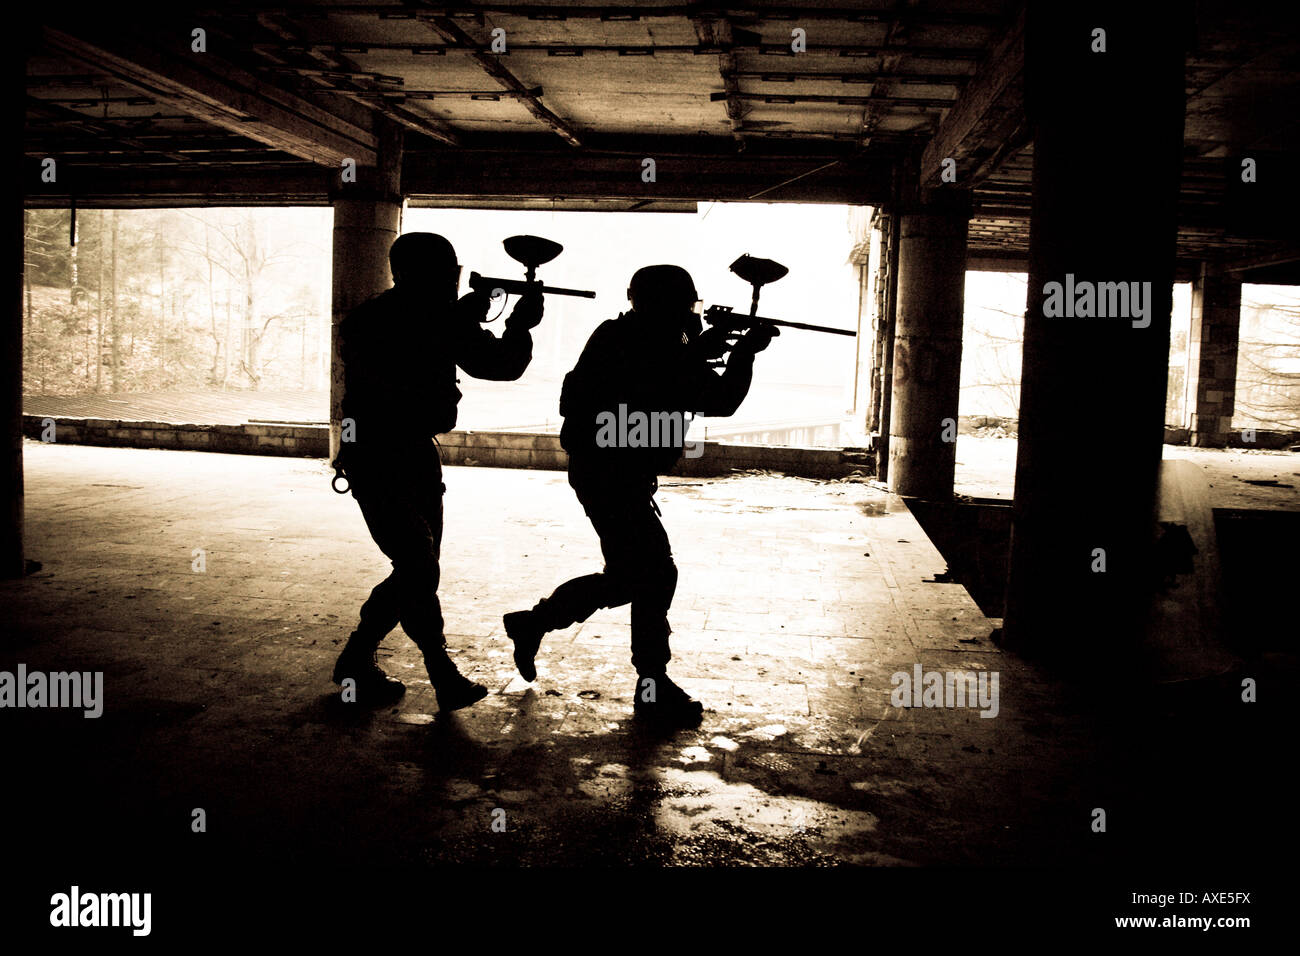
(758, 273)
(531, 251)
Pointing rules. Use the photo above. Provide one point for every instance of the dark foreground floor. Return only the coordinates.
(798, 602)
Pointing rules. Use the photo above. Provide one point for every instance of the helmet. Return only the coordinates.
(662, 288)
(425, 256)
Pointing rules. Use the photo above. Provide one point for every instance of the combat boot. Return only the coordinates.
(453, 689)
(526, 634)
(374, 688)
(661, 703)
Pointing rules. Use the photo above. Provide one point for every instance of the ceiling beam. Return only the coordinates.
(554, 204)
(221, 94)
(775, 50)
(987, 114)
(398, 95)
(612, 12)
(118, 186)
(452, 33)
(101, 128)
(790, 76)
(484, 177)
(779, 98)
(1274, 257)
(357, 79)
(592, 175)
(714, 33)
(356, 76)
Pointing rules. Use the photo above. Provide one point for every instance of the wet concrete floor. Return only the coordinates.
(798, 603)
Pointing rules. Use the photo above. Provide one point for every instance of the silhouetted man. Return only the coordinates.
(648, 365)
(400, 351)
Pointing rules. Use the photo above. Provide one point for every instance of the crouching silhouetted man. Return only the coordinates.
(649, 367)
(400, 351)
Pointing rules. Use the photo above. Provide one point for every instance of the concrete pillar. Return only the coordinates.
(367, 218)
(882, 396)
(927, 347)
(870, 330)
(1108, 134)
(1212, 358)
(12, 561)
(864, 344)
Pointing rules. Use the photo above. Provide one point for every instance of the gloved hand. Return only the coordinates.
(757, 338)
(527, 312)
(472, 307)
(713, 343)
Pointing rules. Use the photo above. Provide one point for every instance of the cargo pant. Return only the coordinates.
(639, 566)
(401, 499)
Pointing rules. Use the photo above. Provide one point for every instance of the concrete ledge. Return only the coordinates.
(488, 449)
(307, 442)
(721, 459)
(1272, 439)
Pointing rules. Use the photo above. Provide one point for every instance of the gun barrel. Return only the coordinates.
(737, 320)
(580, 293)
(480, 283)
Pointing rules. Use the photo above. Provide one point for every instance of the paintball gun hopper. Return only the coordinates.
(758, 273)
(532, 251)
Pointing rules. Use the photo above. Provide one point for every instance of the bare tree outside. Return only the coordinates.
(158, 300)
(1268, 358)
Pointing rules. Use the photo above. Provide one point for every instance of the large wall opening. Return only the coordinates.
(1268, 358)
(223, 314)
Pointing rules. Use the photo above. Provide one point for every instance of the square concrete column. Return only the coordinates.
(1104, 99)
(883, 347)
(927, 346)
(367, 219)
(1212, 358)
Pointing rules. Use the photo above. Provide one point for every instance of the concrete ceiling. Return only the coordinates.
(586, 91)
